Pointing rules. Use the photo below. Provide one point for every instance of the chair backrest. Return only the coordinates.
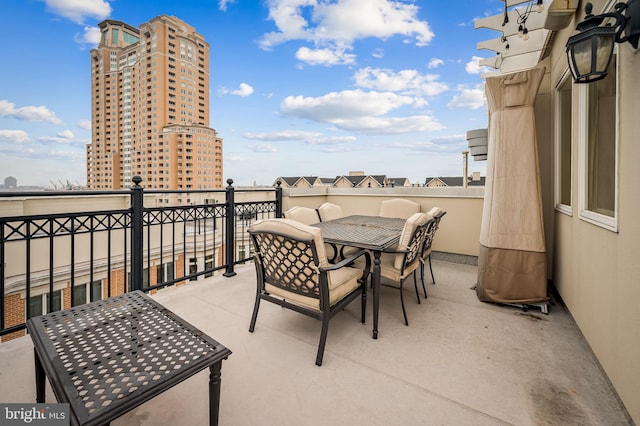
(398, 207)
(304, 215)
(412, 239)
(437, 214)
(329, 211)
(289, 254)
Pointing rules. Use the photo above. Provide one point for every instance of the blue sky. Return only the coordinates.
(298, 87)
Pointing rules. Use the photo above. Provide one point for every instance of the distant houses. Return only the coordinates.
(436, 182)
(362, 180)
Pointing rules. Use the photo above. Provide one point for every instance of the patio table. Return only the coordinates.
(372, 233)
(109, 356)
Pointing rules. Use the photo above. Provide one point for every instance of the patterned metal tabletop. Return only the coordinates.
(368, 232)
(109, 356)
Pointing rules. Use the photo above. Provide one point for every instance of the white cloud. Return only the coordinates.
(285, 135)
(469, 97)
(390, 125)
(435, 63)
(378, 53)
(348, 104)
(474, 67)
(28, 113)
(17, 136)
(84, 124)
(408, 82)
(78, 10)
(359, 111)
(222, 4)
(325, 56)
(91, 36)
(312, 138)
(265, 147)
(66, 134)
(336, 25)
(243, 91)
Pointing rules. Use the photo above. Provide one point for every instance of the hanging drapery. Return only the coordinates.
(512, 259)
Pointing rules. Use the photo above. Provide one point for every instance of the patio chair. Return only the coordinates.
(396, 264)
(292, 271)
(398, 207)
(329, 211)
(310, 216)
(304, 215)
(437, 214)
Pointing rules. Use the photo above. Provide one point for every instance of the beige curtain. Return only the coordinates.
(512, 260)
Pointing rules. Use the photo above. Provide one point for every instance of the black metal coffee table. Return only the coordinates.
(108, 357)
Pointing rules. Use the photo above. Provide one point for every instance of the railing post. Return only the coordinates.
(278, 199)
(137, 262)
(230, 232)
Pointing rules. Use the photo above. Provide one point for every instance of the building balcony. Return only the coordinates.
(459, 362)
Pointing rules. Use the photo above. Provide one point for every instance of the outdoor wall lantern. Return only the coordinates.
(589, 52)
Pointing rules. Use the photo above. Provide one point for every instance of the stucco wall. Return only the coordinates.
(459, 230)
(597, 271)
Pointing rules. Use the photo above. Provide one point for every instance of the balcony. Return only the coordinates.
(459, 362)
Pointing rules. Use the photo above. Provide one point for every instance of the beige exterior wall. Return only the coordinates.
(459, 230)
(597, 271)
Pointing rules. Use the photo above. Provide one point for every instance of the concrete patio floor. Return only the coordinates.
(459, 362)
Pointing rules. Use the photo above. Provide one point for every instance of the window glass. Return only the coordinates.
(35, 306)
(601, 145)
(114, 36)
(79, 295)
(564, 187)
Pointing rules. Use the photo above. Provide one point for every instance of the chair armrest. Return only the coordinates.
(395, 251)
(348, 260)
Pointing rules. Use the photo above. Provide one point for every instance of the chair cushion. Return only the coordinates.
(330, 211)
(304, 215)
(399, 208)
(388, 269)
(341, 282)
(435, 211)
(416, 219)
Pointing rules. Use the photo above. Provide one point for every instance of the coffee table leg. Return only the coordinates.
(376, 291)
(39, 378)
(214, 392)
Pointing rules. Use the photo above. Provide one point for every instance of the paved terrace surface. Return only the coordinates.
(459, 362)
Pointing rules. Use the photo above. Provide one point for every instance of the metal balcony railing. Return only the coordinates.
(59, 260)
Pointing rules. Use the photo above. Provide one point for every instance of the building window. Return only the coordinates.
(164, 272)
(39, 305)
(598, 150)
(209, 264)
(82, 293)
(193, 266)
(563, 144)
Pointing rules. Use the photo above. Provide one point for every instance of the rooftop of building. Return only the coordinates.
(459, 361)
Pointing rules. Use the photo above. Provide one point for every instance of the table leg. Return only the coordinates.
(214, 392)
(375, 278)
(40, 396)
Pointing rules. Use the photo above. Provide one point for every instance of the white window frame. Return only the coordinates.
(604, 221)
(45, 300)
(88, 291)
(559, 206)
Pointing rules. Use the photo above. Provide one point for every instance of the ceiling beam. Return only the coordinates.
(517, 45)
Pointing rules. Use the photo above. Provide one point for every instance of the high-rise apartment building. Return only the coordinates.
(150, 108)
